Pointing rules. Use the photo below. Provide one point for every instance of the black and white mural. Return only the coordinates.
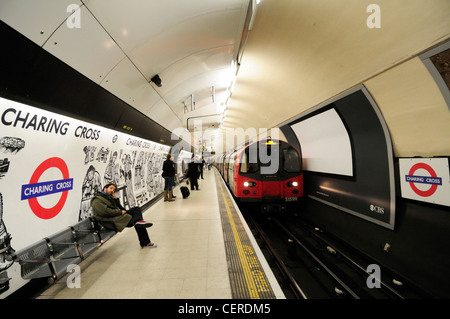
(52, 165)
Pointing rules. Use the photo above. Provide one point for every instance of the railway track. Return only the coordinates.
(314, 265)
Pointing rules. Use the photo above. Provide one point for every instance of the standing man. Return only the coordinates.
(193, 173)
(202, 166)
(106, 207)
(169, 178)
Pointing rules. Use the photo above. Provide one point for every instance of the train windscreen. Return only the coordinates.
(290, 160)
(281, 157)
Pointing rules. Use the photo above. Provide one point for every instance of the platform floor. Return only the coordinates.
(193, 259)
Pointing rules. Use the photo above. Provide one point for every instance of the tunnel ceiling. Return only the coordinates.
(298, 54)
(302, 53)
(121, 45)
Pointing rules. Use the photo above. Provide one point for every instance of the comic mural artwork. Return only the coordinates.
(137, 176)
(8, 145)
(50, 168)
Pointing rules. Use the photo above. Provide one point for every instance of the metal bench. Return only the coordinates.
(51, 256)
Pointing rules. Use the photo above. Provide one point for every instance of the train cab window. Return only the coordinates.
(291, 161)
(246, 165)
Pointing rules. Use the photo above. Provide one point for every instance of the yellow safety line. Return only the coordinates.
(243, 259)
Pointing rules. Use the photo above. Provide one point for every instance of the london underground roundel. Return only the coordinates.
(36, 189)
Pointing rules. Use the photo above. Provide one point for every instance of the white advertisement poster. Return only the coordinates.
(52, 165)
(425, 179)
(323, 137)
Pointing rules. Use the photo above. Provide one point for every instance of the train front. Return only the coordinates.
(269, 172)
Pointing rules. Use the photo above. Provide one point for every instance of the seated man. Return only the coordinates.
(106, 207)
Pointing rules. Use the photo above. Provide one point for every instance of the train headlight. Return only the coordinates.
(249, 184)
(246, 184)
(292, 184)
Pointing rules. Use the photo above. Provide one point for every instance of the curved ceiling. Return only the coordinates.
(298, 55)
(192, 45)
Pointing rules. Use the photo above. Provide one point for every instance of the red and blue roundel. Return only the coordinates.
(36, 189)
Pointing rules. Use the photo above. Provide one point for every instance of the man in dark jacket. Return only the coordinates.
(107, 208)
(193, 173)
(169, 178)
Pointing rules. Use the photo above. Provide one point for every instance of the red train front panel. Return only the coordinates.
(289, 190)
(284, 186)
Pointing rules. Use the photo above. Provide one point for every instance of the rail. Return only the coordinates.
(347, 267)
(294, 286)
(318, 261)
(392, 284)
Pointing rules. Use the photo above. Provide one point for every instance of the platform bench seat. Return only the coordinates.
(51, 256)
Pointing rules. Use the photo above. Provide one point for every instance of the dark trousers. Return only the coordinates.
(136, 215)
(169, 182)
(194, 182)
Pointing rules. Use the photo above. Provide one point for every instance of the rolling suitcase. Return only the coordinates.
(185, 191)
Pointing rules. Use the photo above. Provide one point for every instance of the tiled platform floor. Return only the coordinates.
(189, 263)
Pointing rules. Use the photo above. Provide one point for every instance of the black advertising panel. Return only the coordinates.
(31, 75)
(348, 157)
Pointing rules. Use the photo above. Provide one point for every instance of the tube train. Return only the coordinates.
(268, 172)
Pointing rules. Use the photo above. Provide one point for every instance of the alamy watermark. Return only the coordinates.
(234, 138)
(374, 279)
(74, 20)
(374, 19)
(74, 279)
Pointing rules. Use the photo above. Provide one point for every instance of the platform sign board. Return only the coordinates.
(425, 179)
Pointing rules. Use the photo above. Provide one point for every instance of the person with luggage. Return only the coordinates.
(193, 173)
(169, 178)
